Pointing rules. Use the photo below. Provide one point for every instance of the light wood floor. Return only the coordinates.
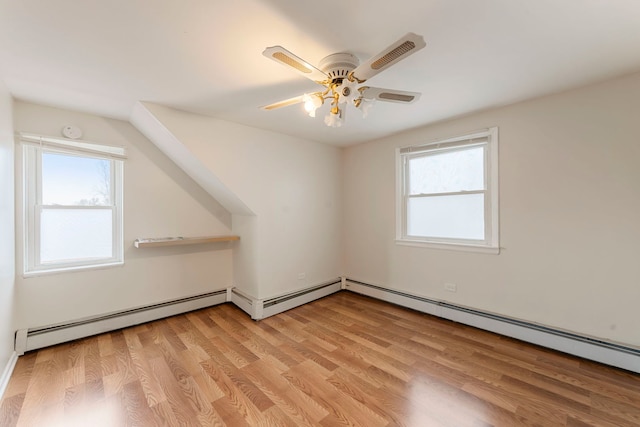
(342, 360)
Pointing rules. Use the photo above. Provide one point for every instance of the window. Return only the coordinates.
(73, 204)
(448, 193)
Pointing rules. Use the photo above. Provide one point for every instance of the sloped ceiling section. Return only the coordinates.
(149, 125)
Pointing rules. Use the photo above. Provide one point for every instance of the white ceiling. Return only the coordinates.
(204, 56)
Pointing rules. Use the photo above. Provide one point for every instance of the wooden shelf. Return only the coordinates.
(179, 241)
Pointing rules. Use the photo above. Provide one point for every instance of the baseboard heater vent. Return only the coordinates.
(610, 353)
(244, 302)
(281, 299)
(44, 336)
(262, 308)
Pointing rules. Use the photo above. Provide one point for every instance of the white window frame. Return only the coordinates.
(33, 148)
(487, 138)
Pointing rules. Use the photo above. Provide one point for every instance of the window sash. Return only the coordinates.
(34, 209)
(406, 186)
(487, 139)
(114, 168)
(78, 261)
(423, 237)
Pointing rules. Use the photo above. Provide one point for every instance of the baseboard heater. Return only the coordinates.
(262, 308)
(610, 353)
(34, 338)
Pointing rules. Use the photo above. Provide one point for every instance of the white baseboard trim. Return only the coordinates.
(262, 308)
(6, 373)
(609, 353)
(45, 336)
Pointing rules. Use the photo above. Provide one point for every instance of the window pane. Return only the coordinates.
(73, 180)
(75, 234)
(456, 217)
(459, 170)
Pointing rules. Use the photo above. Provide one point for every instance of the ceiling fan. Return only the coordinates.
(343, 76)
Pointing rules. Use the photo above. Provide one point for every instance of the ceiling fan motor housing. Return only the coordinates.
(339, 65)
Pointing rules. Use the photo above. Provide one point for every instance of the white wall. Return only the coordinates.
(569, 215)
(159, 200)
(7, 233)
(294, 188)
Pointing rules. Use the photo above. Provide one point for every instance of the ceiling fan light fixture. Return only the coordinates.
(365, 106)
(335, 118)
(312, 102)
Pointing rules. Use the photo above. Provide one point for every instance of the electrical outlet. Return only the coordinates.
(451, 287)
(302, 276)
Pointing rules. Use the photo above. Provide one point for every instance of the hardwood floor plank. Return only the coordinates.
(137, 409)
(105, 345)
(234, 375)
(234, 399)
(287, 328)
(278, 389)
(232, 412)
(344, 360)
(342, 410)
(178, 403)
(121, 350)
(46, 388)
(581, 420)
(152, 391)
(236, 351)
(275, 417)
(74, 398)
(163, 415)
(369, 396)
(94, 389)
(169, 335)
(21, 376)
(10, 410)
(616, 411)
(109, 365)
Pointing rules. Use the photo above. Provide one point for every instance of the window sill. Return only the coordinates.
(462, 247)
(62, 270)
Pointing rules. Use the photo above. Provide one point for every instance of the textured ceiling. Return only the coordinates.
(204, 56)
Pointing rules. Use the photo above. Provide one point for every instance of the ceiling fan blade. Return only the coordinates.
(390, 95)
(283, 56)
(284, 103)
(399, 50)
